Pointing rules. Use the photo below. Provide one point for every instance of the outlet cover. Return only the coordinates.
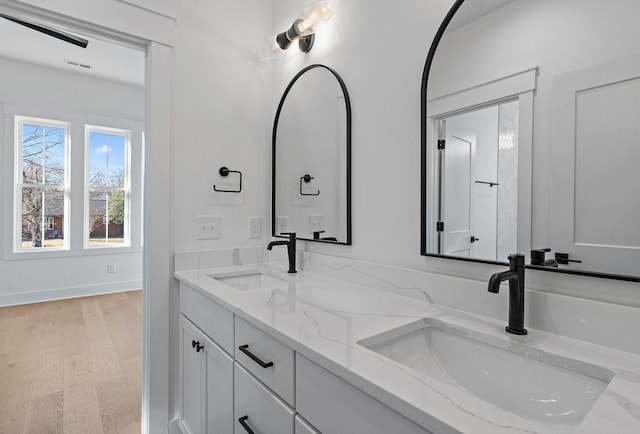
(208, 227)
(282, 224)
(316, 223)
(255, 227)
(111, 268)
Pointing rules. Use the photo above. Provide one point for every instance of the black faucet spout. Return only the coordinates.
(277, 243)
(496, 279)
(515, 276)
(291, 249)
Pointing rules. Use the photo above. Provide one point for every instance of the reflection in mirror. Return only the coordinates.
(478, 155)
(312, 158)
(565, 136)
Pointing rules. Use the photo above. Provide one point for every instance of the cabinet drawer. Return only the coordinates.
(277, 368)
(210, 317)
(258, 408)
(334, 406)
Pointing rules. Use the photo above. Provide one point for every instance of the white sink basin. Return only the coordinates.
(548, 389)
(251, 279)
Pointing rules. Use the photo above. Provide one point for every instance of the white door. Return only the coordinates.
(219, 405)
(457, 200)
(192, 375)
(595, 211)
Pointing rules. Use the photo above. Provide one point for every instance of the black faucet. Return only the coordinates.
(515, 276)
(291, 249)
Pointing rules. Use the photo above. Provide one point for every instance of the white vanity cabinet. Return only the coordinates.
(206, 366)
(334, 406)
(206, 383)
(214, 320)
(236, 378)
(268, 359)
(303, 427)
(258, 409)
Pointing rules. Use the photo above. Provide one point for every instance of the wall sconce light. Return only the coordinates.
(304, 27)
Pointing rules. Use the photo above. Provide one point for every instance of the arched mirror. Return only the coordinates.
(311, 189)
(531, 135)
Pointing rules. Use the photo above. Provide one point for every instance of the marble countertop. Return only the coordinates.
(323, 319)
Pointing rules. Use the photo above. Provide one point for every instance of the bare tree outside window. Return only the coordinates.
(42, 182)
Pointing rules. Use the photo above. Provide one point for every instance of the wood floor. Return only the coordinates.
(72, 366)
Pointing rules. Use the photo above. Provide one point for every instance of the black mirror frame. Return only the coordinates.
(423, 174)
(348, 152)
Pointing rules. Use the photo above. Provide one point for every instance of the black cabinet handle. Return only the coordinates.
(244, 349)
(490, 184)
(245, 425)
(196, 345)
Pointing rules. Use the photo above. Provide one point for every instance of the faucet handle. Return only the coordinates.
(288, 233)
(516, 260)
(538, 256)
(563, 258)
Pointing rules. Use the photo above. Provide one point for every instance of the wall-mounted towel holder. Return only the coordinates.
(225, 172)
(307, 178)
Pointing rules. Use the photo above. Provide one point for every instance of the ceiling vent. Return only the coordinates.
(78, 64)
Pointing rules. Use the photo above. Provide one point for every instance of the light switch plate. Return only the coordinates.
(208, 227)
(316, 223)
(255, 227)
(282, 224)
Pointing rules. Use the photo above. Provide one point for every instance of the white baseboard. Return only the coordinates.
(64, 293)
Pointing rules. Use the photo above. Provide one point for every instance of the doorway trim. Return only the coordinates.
(519, 86)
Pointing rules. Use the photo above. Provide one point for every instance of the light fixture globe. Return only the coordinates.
(304, 27)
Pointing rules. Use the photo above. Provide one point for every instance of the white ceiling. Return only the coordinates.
(107, 59)
(471, 10)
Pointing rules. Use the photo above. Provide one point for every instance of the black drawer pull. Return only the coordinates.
(244, 349)
(245, 425)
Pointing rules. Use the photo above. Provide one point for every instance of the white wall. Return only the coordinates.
(38, 276)
(221, 117)
(380, 50)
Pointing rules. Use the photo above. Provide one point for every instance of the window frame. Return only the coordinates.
(19, 185)
(88, 129)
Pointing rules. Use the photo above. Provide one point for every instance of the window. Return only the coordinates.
(42, 192)
(108, 187)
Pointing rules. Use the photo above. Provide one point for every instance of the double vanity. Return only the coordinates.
(266, 351)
